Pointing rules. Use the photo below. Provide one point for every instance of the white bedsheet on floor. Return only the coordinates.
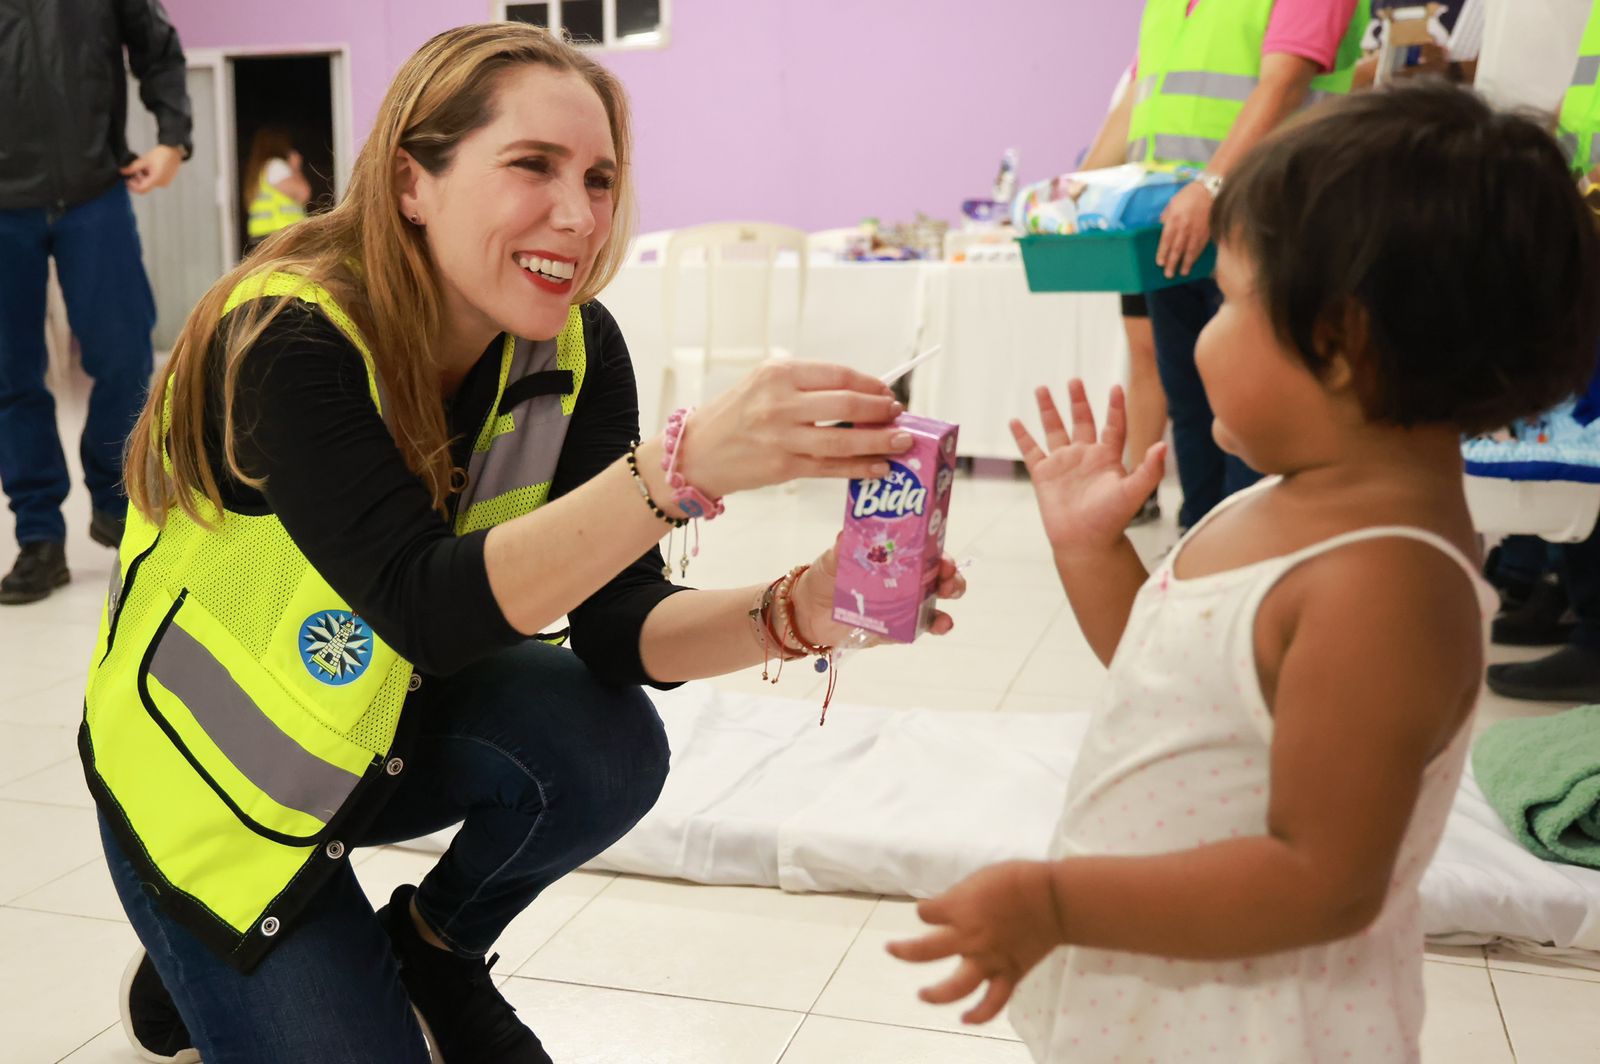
(907, 802)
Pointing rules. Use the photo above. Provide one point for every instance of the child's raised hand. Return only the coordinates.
(1085, 497)
(1001, 920)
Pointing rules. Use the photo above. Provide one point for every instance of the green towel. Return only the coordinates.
(1542, 775)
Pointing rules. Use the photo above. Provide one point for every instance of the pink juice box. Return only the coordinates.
(894, 536)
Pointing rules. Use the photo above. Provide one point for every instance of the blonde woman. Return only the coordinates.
(275, 187)
(391, 450)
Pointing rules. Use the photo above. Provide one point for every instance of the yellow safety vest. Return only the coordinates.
(1579, 125)
(271, 210)
(242, 724)
(1196, 71)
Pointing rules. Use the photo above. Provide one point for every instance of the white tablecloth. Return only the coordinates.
(999, 339)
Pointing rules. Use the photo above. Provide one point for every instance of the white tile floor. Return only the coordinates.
(624, 970)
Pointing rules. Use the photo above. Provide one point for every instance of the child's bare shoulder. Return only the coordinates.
(1392, 613)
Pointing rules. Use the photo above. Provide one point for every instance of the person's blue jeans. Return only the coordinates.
(112, 312)
(1206, 472)
(543, 766)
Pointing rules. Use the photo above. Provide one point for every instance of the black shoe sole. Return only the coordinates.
(1549, 637)
(1584, 695)
(104, 539)
(22, 598)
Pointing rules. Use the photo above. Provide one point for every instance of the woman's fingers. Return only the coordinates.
(866, 468)
(941, 624)
(827, 377)
(838, 442)
(814, 407)
(993, 1001)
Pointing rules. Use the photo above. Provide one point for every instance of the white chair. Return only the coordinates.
(648, 248)
(739, 270)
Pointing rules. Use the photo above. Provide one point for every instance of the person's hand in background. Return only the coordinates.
(154, 169)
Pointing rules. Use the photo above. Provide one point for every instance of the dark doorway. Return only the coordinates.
(295, 94)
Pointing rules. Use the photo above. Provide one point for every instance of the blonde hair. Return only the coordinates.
(374, 264)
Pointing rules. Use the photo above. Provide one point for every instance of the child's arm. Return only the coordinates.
(1086, 500)
(1383, 662)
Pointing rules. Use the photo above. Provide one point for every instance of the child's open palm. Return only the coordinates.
(1085, 496)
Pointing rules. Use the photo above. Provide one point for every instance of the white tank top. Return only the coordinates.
(1176, 757)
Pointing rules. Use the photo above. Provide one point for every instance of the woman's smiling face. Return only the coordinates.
(515, 221)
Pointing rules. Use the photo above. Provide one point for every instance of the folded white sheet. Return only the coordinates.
(909, 801)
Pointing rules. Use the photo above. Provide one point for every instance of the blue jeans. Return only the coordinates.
(1207, 473)
(109, 304)
(543, 766)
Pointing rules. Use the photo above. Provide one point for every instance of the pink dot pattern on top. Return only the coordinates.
(1177, 755)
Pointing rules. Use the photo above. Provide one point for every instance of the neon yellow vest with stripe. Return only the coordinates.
(1195, 72)
(241, 723)
(271, 210)
(1579, 127)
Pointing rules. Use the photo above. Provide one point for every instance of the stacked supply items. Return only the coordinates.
(1098, 230)
(1542, 477)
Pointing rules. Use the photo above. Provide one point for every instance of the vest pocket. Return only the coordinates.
(278, 769)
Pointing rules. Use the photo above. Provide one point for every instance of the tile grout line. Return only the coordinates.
(98, 1034)
(590, 900)
(50, 882)
(1037, 643)
(1505, 1028)
(658, 993)
(843, 954)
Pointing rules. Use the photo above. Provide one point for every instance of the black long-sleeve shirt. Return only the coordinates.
(305, 422)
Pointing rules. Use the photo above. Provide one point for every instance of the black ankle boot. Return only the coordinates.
(1571, 674)
(1542, 620)
(456, 997)
(40, 569)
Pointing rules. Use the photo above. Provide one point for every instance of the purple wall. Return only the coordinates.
(812, 114)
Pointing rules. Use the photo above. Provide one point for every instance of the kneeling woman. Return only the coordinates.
(391, 449)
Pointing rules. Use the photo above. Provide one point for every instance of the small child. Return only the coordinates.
(1234, 876)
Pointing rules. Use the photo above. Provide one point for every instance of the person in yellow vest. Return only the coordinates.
(1212, 78)
(1578, 125)
(390, 452)
(275, 187)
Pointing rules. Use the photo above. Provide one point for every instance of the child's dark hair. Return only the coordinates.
(1439, 245)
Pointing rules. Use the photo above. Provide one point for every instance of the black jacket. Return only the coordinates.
(64, 94)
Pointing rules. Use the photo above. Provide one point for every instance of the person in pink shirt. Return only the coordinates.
(1303, 39)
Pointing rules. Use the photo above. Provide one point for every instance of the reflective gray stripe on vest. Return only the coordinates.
(1172, 148)
(291, 775)
(1208, 84)
(528, 454)
(1145, 89)
(1137, 150)
(1587, 72)
(1569, 145)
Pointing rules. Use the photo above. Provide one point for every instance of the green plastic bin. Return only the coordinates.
(1119, 260)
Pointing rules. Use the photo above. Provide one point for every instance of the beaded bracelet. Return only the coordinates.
(783, 603)
(644, 493)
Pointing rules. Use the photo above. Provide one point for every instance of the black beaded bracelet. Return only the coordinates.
(644, 490)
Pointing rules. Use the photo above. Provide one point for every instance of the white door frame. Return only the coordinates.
(343, 121)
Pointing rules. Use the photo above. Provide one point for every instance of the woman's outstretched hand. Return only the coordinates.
(1086, 498)
(775, 426)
